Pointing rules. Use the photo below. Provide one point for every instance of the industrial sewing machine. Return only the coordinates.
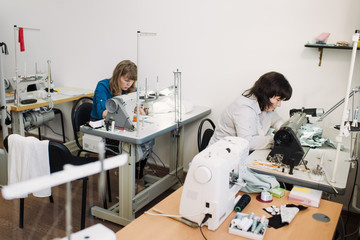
(121, 111)
(213, 180)
(287, 148)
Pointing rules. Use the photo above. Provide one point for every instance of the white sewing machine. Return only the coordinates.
(213, 180)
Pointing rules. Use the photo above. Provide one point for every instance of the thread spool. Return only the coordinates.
(254, 225)
(245, 224)
(112, 126)
(242, 203)
(236, 222)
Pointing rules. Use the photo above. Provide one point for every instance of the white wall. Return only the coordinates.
(221, 47)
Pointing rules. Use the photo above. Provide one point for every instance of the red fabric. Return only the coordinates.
(21, 40)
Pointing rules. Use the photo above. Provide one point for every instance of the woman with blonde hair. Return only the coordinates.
(123, 81)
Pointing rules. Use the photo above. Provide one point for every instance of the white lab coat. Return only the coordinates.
(243, 118)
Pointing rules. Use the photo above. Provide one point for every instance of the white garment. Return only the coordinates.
(243, 118)
(28, 158)
(167, 104)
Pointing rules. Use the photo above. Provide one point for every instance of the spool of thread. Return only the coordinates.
(253, 226)
(112, 126)
(242, 203)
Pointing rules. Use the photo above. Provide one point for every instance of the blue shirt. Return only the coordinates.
(101, 95)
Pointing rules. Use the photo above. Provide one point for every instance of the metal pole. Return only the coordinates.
(16, 91)
(138, 81)
(68, 210)
(3, 100)
(355, 39)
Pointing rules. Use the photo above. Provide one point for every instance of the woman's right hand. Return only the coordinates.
(104, 113)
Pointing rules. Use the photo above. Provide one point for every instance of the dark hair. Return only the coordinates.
(269, 85)
(124, 68)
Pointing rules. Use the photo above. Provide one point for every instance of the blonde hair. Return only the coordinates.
(125, 68)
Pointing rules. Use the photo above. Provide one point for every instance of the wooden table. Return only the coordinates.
(303, 226)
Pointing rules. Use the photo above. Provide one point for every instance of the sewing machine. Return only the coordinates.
(287, 148)
(121, 111)
(213, 180)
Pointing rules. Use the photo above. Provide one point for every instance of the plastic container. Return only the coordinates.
(233, 229)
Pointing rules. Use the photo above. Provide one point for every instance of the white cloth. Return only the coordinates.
(28, 158)
(167, 104)
(288, 213)
(243, 118)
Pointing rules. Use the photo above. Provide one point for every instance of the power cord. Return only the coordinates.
(206, 218)
(352, 192)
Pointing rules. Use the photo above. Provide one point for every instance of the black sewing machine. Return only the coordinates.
(287, 148)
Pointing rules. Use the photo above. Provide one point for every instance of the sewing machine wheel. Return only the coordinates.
(111, 106)
(282, 137)
(202, 174)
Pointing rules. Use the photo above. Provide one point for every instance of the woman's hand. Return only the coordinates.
(104, 113)
(143, 110)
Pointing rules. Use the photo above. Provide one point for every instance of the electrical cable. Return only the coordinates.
(149, 165)
(176, 163)
(153, 170)
(341, 237)
(352, 192)
(332, 186)
(110, 150)
(207, 216)
(158, 159)
(353, 233)
(171, 215)
(59, 134)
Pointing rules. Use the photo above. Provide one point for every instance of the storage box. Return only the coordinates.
(277, 192)
(248, 234)
(91, 143)
(306, 196)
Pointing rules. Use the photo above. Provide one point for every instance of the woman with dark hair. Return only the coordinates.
(252, 115)
(122, 82)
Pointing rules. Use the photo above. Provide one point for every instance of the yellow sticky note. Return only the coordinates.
(301, 189)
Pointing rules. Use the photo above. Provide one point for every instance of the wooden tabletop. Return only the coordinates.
(303, 226)
(64, 94)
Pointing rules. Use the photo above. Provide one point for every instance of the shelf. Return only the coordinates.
(320, 47)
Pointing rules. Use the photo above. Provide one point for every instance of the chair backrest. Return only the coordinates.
(80, 114)
(204, 138)
(59, 155)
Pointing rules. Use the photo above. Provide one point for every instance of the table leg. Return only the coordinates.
(127, 186)
(122, 212)
(17, 123)
(176, 152)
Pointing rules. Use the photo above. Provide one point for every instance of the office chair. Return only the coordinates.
(203, 140)
(80, 114)
(59, 155)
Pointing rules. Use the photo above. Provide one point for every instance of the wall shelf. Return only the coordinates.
(320, 48)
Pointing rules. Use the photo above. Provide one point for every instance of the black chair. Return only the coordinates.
(59, 155)
(80, 115)
(204, 138)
